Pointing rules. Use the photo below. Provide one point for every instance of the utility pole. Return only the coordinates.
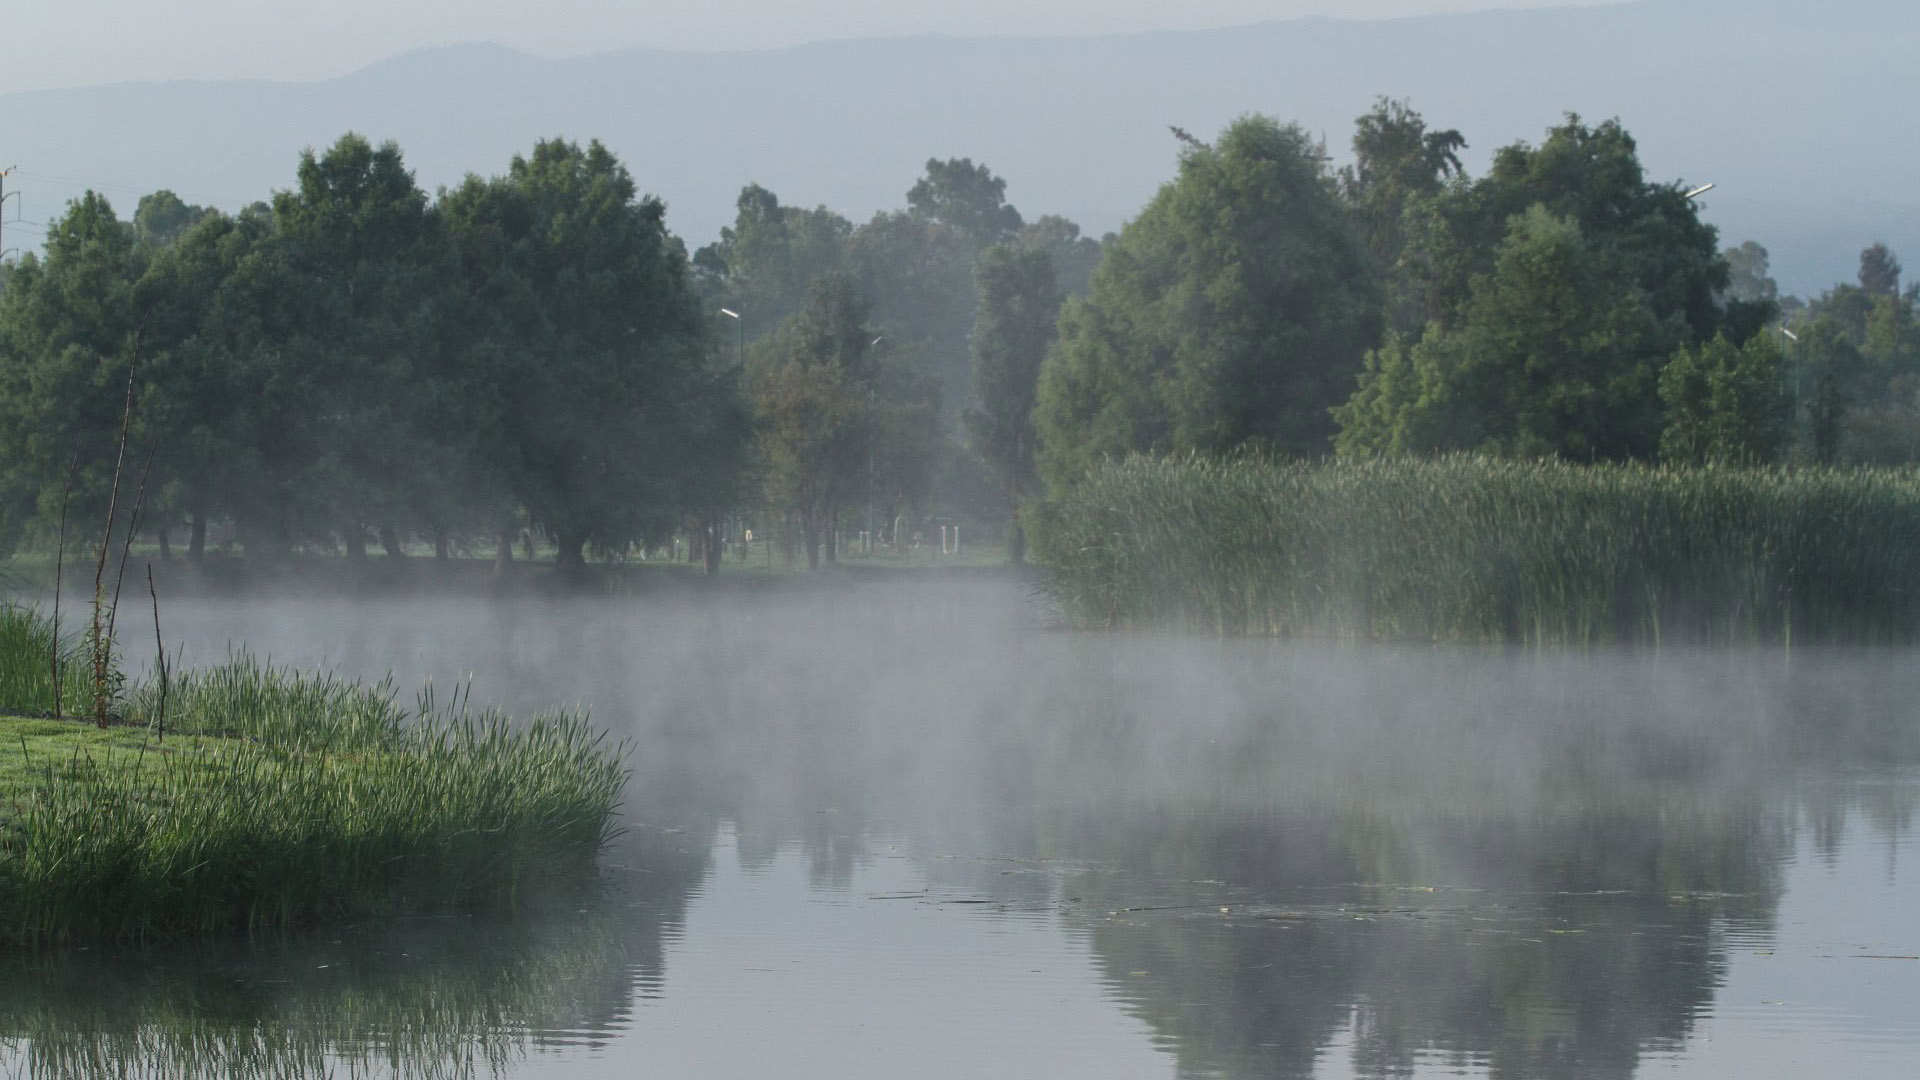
(4, 173)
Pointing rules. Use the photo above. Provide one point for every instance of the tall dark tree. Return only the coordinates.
(765, 262)
(1556, 288)
(67, 330)
(815, 393)
(1879, 271)
(1592, 177)
(1557, 353)
(213, 407)
(1019, 313)
(1748, 277)
(367, 255)
(161, 218)
(1074, 256)
(1726, 404)
(609, 412)
(968, 197)
(1235, 309)
(1397, 162)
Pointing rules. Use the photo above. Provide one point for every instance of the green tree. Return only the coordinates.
(1879, 271)
(1828, 386)
(1019, 300)
(1556, 353)
(1726, 404)
(208, 406)
(1074, 256)
(968, 197)
(1235, 309)
(161, 218)
(68, 328)
(1398, 164)
(367, 258)
(765, 262)
(815, 394)
(1590, 176)
(1747, 274)
(608, 413)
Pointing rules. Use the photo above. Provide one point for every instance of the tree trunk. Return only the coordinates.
(810, 535)
(356, 538)
(711, 531)
(570, 558)
(197, 541)
(442, 546)
(502, 551)
(833, 532)
(166, 547)
(390, 541)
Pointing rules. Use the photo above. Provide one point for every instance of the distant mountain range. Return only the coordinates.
(1803, 115)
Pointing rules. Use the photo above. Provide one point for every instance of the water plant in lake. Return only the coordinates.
(1477, 548)
(277, 798)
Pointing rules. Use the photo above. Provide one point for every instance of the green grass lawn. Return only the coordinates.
(34, 750)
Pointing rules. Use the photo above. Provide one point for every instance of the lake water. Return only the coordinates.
(911, 830)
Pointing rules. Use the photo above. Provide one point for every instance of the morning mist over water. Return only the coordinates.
(1000, 541)
(916, 826)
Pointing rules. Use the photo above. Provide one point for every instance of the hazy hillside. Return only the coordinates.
(1800, 114)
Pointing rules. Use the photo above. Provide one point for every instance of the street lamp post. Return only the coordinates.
(741, 325)
(872, 437)
(1795, 355)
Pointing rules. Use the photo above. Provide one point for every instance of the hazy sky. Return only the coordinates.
(59, 43)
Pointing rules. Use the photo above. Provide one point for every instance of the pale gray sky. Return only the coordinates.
(62, 43)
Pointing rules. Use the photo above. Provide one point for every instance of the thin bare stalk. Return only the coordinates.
(102, 647)
(59, 567)
(126, 548)
(160, 653)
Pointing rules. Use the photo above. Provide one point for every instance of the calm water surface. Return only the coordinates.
(908, 830)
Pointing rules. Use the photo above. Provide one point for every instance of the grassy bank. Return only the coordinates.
(1467, 548)
(275, 799)
(333, 575)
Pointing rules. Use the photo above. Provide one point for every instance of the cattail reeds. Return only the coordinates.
(1490, 550)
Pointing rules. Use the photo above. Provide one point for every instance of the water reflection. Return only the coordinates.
(453, 995)
(1262, 859)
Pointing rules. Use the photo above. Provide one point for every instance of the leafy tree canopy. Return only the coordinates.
(1235, 309)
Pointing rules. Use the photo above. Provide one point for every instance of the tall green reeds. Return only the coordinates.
(278, 798)
(1481, 549)
(26, 665)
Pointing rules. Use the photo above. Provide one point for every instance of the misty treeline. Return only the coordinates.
(535, 353)
(355, 362)
(1561, 305)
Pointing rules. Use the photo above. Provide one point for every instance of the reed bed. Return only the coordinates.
(26, 665)
(279, 798)
(1489, 550)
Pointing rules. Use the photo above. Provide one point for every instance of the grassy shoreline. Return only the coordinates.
(337, 575)
(1488, 550)
(276, 799)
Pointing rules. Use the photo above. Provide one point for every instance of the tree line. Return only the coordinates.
(356, 362)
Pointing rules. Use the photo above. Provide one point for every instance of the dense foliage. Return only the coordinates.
(357, 360)
(534, 354)
(1233, 310)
